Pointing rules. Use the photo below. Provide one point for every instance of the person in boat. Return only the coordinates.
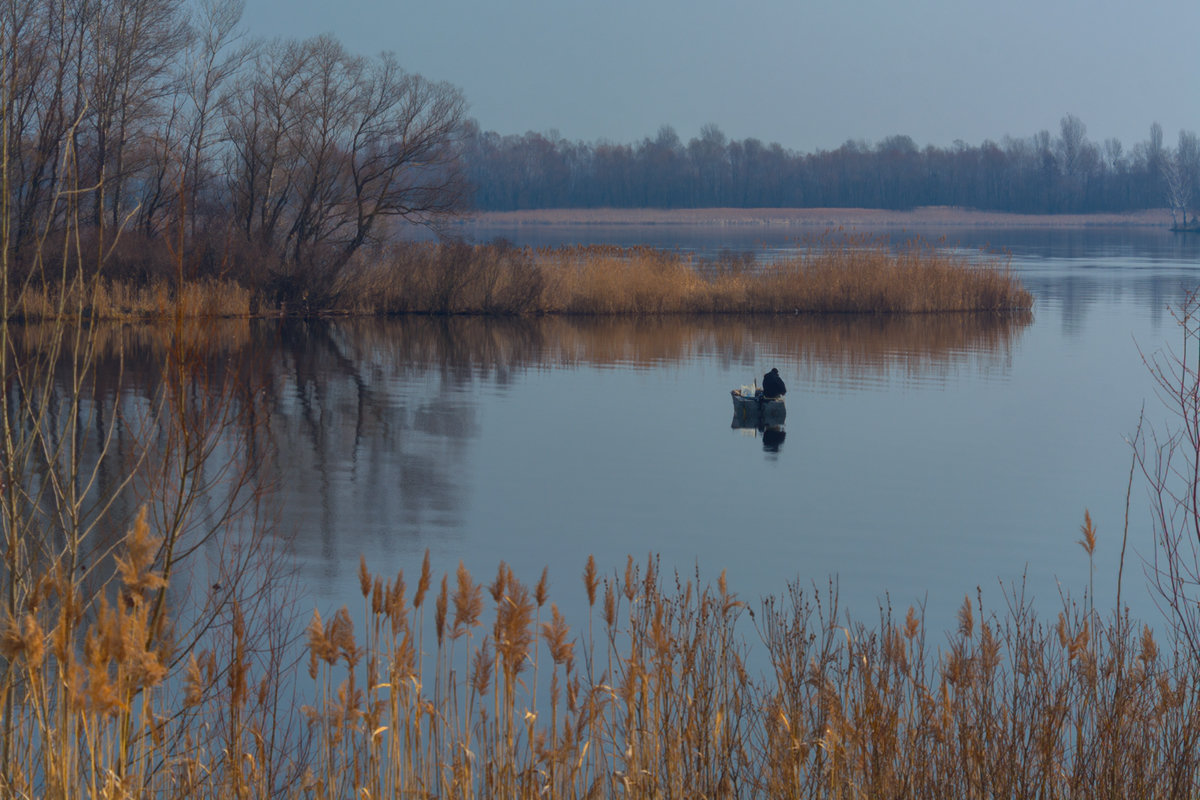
(773, 385)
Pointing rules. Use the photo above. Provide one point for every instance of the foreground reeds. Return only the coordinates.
(854, 275)
(670, 687)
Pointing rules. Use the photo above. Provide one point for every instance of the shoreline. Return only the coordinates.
(926, 217)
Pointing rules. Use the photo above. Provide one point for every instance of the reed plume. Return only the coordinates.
(669, 700)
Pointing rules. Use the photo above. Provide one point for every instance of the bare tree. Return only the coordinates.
(711, 162)
(1071, 143)
(323, 146)
(332, 79)
(1187, 162)
(1179, 188)
(258, 122)
(181, 173)
(216, 57)
(403, 155)
(43, 102)
(128, 74)
(1170, 462)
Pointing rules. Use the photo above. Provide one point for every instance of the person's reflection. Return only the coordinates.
(772, 438)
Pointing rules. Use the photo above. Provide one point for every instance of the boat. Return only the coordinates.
(749, 405)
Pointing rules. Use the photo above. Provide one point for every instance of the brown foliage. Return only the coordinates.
(852, 275)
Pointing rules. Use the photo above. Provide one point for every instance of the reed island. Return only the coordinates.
(830, 274)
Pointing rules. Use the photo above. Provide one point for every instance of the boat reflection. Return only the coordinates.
(772, 436)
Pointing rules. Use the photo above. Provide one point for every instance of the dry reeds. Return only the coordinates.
(119, 300)
(673, 686)
(846, 276)
(864, 277)
(853, 275)
(663, 696)
(850, 276)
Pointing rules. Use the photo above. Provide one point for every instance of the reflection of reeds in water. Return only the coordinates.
(851, 346)
(850, 350)
(275, 371)
(841, 347)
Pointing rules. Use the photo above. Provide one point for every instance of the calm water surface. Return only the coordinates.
(923, 459)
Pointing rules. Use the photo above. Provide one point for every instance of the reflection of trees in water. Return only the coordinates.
(122, 391)
(1077, 294)
(120, 422)
(373, 419)
(365, 425)
(367, 438)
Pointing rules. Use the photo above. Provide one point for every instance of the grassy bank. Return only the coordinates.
(845, 276)
(670, 687)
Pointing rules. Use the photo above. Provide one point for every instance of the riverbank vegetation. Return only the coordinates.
(669, 685)
(833, 275)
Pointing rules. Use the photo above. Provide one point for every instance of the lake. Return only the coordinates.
(923, 459)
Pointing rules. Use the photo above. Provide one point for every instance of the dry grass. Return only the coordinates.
(852, 275)
(657, 696)
(866, 278)
(444, 279)
(121, 300)
(672, 687)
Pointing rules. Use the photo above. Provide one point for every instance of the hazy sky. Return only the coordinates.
(808, 74)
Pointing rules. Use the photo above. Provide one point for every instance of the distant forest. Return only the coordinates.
(1041, 174)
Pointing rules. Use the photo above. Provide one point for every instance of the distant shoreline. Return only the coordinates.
(928, 217)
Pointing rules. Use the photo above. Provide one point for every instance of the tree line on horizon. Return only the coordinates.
(1040, 174)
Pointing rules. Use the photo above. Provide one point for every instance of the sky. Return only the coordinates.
(808, 74)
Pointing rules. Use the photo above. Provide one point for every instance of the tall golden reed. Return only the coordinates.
(833, 275)
(666, 698)
(672, 686)
(852, 275)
